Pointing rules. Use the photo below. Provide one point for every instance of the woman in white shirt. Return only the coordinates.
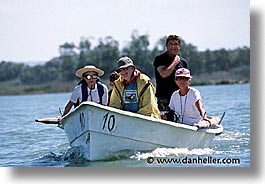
(89, 89)
(186, 102)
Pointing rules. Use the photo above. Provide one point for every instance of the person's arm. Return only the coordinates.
(201, 110)
(200, 107)
(165, 71)
(116, 99)
(147, 104)
(68, 107)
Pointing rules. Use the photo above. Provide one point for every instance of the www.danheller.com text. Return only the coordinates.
(192, 160)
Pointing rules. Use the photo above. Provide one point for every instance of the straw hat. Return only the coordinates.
(89, 68)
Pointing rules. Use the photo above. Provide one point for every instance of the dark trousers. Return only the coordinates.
(162, 104)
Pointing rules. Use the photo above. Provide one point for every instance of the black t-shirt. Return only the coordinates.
(166, 86)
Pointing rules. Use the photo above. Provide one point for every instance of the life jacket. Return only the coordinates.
(85, 92)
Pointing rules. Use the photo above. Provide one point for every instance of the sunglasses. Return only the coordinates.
(91, 76)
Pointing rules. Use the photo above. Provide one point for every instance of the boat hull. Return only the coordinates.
(101, 132)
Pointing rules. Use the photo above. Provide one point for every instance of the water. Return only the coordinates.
(25, 143)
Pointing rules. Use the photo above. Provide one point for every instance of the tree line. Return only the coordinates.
(106, 53)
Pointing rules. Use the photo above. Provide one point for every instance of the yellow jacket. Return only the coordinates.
(146, 97)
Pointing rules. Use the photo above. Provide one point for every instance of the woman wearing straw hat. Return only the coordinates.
(89, 88)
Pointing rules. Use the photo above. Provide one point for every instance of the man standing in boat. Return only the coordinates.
(89, 88)
(133, 91)
(166, 65)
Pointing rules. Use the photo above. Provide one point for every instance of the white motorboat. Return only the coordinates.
(102, 131)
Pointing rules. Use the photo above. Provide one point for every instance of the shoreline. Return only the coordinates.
(12, 88)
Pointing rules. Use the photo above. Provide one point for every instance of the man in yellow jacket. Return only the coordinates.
(133, 91)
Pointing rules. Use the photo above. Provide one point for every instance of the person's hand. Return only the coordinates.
(59, 117)
(208, 120)
(164, 116)
(177, 59)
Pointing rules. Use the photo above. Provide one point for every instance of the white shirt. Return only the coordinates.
(92, 94)
(184, 106)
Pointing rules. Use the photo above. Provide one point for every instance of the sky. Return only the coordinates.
(33, 30)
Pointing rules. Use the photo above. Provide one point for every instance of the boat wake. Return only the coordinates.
(74, 156)
(172, 152)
